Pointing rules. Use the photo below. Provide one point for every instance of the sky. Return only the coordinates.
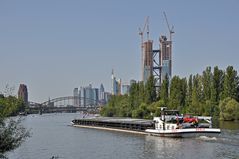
(57, 45)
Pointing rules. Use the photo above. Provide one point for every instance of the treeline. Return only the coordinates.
(10, 106)
(213, 93)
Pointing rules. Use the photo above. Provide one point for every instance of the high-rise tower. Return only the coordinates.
(147, 60)
(166, 57)
(76, 97)
(115, 85)
(23, 94)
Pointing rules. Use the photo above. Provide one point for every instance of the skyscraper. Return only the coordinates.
(147, 60)
(101, 92)
(76, 101)
(23, 94)
(82, 97)
(166, 57)
(125, 89)
(116, 85)
(89, 96)
(95, 96)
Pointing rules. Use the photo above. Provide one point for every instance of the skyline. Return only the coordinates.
(55, 46)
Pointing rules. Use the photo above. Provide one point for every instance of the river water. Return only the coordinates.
(51, 136)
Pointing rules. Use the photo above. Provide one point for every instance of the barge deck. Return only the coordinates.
(115, 124)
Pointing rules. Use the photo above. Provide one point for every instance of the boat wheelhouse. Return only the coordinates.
(171, 124)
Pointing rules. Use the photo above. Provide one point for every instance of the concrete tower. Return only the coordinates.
(166, 57)
(23, 94)
(147, 60)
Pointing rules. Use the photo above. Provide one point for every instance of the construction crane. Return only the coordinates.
(170, 29)
(141, 33)
(146, 26)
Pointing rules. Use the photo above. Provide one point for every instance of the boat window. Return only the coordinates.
(160, 127)
(168, 127)
(172, 127)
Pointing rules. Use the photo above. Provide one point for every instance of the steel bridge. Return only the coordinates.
(65, 104)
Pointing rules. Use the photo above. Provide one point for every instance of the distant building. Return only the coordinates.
(132, 82)
(107, 96)
(89, 96)
(166, 57)
(125, 89)
(23, 94)
(101, 92)
(147, 60)
(82, 97)
(76, 100)
(116, 85)
(95, 96)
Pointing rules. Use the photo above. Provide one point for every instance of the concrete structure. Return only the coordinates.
(95, 96)
(82, 96)
(157, 63)
(125, 89)
(166, 57)
(102, 95)
(76, 97)
(89, 95)
(115, 85)
(23, 94)
(147, 60)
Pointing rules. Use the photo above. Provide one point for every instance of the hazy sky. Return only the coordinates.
(53, 46)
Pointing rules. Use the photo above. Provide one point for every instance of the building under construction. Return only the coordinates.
(156, 62)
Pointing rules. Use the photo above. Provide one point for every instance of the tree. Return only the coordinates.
(206, 83)
(150, 90)
(229, 109)
(164, 90)
(230, 85)
(12, 133)
(188, 102)
(196, 106)
(176, 97)
(216, 90)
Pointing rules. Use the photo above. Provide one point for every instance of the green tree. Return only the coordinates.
(177, 96)
(188, 102)
(206, 83)
(142, 111)
(12, 133)
(150, 91)
(164, 90)
(230, 85)
(196, 106)
(216, 90)
(229, 109)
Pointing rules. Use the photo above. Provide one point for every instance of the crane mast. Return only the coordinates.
(141, 33)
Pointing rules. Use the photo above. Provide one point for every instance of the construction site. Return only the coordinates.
(156, 62)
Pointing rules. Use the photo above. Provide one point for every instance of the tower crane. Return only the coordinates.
(170, 44)
(169, 29)
(141, 33)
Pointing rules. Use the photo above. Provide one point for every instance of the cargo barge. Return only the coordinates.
(116, 124)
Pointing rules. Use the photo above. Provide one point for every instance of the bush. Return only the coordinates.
(229, 109)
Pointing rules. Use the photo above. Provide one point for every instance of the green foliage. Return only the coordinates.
(199, 95)
(164, 92)
(177, 96)
(229, 109)
(10, 106)
(12, 134)
(150, 91)
(230, 86)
